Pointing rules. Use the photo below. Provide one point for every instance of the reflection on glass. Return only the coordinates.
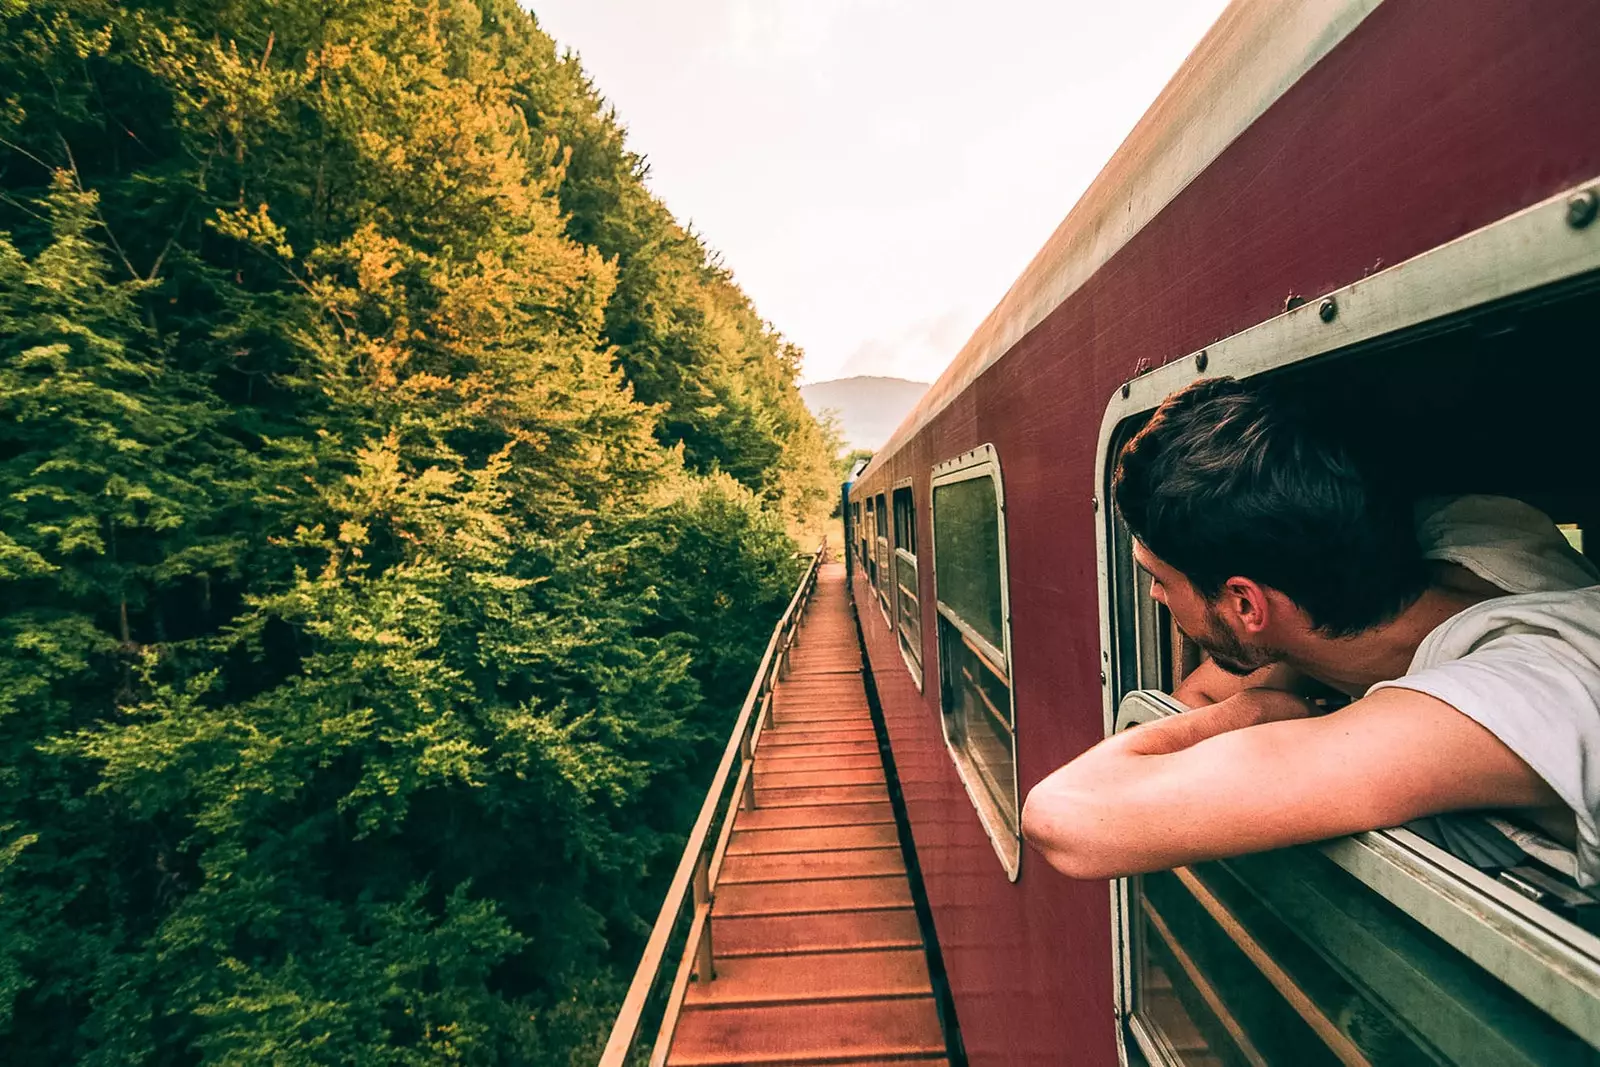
(974, 677)
(1283, 957)
(966, 555)
(909, 608)
(977, 704)
(905, 520)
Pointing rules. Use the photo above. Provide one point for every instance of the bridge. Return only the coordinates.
(802, 944)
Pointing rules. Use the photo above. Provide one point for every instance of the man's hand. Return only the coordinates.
(1210, 684)
(1257, 772)
(1250, 707)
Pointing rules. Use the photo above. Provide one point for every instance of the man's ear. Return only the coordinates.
(1249, 604)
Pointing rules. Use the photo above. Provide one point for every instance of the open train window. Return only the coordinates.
(974, 641)
(1470, 369)
(869, 537)
(882, 569)
(857, 533)
(907, 603)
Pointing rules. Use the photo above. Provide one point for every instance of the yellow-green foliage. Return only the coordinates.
(393, 504)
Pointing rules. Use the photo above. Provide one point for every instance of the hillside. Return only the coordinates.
(396, 505)
(868, 408)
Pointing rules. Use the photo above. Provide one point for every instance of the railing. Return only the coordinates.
(695, 880)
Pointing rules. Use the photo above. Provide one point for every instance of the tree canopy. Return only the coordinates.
(394, 501)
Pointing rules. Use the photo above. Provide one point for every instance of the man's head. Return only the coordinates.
(1251, 516)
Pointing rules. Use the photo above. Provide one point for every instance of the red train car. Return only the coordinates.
(1393, 203)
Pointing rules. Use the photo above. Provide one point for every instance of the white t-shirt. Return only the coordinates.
(1526, 667)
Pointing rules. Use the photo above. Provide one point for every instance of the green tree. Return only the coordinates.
(396, 505)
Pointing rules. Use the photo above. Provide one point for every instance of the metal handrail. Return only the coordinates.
(695, 878)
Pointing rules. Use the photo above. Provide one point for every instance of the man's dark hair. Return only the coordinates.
(1228, 479)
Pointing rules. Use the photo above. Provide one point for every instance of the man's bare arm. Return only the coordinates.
(1251, 774)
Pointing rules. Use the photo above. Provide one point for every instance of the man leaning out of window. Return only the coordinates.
(1466, 630)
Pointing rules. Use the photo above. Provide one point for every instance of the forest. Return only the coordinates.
(394, 502)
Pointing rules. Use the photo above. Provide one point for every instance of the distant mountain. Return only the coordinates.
(868, 408)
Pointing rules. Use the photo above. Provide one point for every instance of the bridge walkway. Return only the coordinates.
(818, 955)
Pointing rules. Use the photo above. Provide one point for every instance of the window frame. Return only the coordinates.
(980, 462)
(853, 536)
(883, 552)
(914, 663)
(1553, 963)
(869, 542)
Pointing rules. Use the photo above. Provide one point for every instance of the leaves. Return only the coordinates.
(395, 506)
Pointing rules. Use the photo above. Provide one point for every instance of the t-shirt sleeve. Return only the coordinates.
(1541, 697)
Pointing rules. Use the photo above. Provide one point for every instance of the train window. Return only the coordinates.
(1403, 945)
(1286, 957)
(974, 643)
(908, 606)
(883, 570)
(861, 540)
(869, 561)
(856, 532)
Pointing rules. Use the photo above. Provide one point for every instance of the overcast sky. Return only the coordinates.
(876, 172)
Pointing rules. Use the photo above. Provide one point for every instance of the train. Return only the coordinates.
(1392, 205)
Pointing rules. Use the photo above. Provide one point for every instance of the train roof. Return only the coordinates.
(1253, 54)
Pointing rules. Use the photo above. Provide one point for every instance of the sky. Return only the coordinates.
(876, 173)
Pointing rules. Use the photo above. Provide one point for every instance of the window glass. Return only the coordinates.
(905, 520)
(862, 555)
(883, 572)
(869, 562)
(977, 703)
(909, 609)
(1284, 957)
(908, 606)
(966, 555)
(974, 673)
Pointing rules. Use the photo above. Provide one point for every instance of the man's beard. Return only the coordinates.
(1227, 651)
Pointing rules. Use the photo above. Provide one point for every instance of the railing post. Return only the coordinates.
(704, 971)
(748, 754)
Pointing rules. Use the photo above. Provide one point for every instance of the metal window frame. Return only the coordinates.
(1553, 963)
(980, 462)
(913, 663)
(907, 484)
(883, 537)
(855, 531)
(869, 538)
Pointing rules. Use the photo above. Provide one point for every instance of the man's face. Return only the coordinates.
(1199, 618)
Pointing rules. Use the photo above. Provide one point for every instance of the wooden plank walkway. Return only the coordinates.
(818, 955)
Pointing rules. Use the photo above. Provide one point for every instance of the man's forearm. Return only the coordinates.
(1286, 778)
(1066, 816)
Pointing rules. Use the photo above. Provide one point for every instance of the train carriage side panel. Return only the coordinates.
(1427, 121)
